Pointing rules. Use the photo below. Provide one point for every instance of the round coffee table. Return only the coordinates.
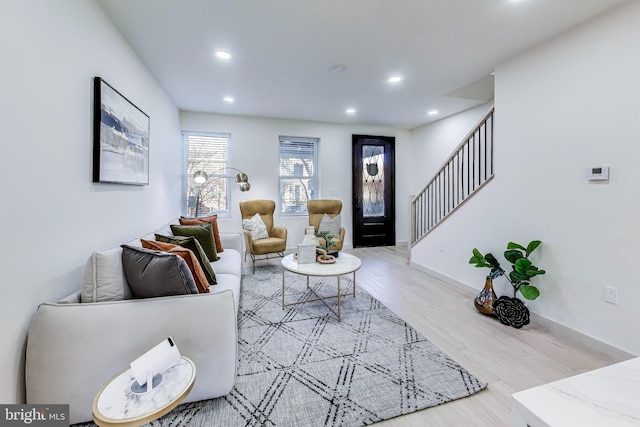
(345, 264)
(116, 405)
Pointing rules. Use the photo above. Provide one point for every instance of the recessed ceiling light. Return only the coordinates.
(228, 99)
(350, 111)
(223, 55)
(433, 112)
(338, 69)
(395, 79)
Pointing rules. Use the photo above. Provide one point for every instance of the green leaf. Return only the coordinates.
(529, 292)
(512, 245)
(492, 261)
(513, 255)
(532, 246)
(518, 277)
(477, 258)
(522, 265)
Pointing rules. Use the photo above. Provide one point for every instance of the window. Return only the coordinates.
(208, 152)
(298, 174)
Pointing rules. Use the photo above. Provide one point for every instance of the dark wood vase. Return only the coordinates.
(486, 297)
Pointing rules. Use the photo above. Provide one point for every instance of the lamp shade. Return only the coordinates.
(200, 177)
(242, 177)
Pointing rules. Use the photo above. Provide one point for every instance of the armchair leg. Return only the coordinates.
(254, 258)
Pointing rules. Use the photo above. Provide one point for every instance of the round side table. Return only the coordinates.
(116, 405)
(345, 264)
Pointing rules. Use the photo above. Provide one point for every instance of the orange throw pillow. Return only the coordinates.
(192, 262)
(213, 219)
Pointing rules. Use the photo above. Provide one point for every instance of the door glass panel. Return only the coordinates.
(372, 180)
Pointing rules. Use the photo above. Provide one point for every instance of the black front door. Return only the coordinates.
(373, 191)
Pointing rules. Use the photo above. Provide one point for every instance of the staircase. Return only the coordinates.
(464, 173)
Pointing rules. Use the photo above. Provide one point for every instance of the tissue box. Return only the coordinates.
(306, 253)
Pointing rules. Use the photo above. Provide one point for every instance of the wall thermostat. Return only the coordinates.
(598, 173)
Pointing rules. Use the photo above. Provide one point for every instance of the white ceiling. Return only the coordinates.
(284, 50)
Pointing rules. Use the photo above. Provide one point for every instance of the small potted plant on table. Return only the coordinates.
(324, 256)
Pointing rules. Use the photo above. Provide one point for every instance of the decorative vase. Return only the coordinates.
(484, 300)
(511, 311)
(310, 237)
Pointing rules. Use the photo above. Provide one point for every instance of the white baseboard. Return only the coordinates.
(552, 325)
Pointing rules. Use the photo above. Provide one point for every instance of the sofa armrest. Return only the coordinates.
(74, 349)
(231, 241)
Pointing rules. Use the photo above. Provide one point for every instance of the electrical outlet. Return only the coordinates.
(610, 295)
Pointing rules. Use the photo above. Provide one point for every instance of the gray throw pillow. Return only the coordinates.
(156, 274)
(256, 227)
(193, 244)
(202, 232)
(332, 225)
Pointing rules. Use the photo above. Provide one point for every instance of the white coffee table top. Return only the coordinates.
(605, 397)
(116, 404)
(345, 264)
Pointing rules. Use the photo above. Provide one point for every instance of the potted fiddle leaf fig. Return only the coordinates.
(512, 311)
(522, 269)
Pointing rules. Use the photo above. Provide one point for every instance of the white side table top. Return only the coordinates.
(608, 396)
(345, 264)
(116, 404)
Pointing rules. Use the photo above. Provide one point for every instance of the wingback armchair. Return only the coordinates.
(276, 240)
(317, 209)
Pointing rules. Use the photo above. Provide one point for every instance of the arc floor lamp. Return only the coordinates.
(201, 178)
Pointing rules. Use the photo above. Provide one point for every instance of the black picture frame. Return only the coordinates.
(120, 138)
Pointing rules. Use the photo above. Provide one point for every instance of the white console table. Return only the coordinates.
(608, 396)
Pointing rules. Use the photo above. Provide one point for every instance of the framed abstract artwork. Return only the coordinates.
(120, 138)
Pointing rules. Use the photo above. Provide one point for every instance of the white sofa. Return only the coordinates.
(74, 347)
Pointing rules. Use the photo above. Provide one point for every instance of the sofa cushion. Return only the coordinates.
(213, 219)
(230, 262)
(199, 277)
(256, 226)
(192, 243)
(155, 273)
(230, 282)
(203, 233)
(104, 278)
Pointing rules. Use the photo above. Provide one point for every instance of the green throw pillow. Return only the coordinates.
(195, 247)
(202, 232)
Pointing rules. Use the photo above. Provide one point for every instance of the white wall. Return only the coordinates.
(254, 149)
(432, 144)
(53, 216)
(562, 107)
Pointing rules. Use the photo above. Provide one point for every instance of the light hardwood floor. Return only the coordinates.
(508, 359)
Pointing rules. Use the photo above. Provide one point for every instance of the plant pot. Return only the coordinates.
(511, 311)
(484, 300)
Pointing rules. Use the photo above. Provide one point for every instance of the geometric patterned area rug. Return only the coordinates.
(302, 367)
